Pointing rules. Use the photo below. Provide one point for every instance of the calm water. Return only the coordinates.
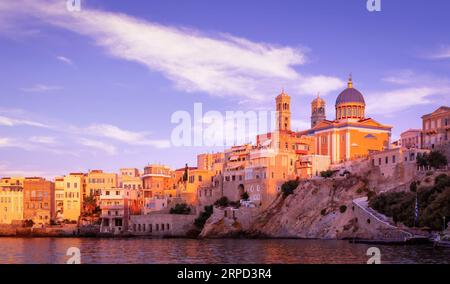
(53, 250)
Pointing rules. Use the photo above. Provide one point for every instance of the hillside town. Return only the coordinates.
(240, 183)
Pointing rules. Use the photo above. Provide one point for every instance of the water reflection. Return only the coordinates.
(53, 250)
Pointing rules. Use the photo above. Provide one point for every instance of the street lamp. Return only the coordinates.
(443, 224)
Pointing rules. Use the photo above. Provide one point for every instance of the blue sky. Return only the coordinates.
(97, 88)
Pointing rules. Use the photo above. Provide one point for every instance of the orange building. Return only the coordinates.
(38, 200)
(350, 135)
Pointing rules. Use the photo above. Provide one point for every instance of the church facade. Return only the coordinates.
(351, 134)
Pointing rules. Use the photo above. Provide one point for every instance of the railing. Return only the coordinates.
(362, 204)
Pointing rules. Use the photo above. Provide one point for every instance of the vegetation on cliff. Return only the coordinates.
(434, 159)
(434, 204)
(181, 209)
(288, 187)
(204, 215)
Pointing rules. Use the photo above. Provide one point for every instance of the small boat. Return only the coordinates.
(442, 241)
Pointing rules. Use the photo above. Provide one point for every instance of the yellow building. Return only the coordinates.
(98, 180)
(11, 203)
(350, 135)
(6, 181)
(74, 185)
(130, 178)
(59, 197)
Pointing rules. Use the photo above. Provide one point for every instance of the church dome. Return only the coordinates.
(350, 95)
(350, 103)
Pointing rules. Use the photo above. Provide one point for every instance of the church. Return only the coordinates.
(350, 135)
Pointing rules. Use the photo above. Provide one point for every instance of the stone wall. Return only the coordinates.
(155, 224)
(377, 226)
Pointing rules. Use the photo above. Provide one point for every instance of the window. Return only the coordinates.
(386, 159)
(393, 159)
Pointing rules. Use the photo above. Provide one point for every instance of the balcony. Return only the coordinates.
(112, 207)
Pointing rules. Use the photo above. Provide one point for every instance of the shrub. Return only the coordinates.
(245, 196)
(323, 212)
(342, 208)
(28, 223)
(235, 204)
(434, 203)
(371, 194)
(288, 187)
(182, 209)
(434, 159)
(204, 215)
(413, 187)
(326, 174)
(222, 202)
(441, 181)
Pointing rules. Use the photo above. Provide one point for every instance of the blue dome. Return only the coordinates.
(350, 95)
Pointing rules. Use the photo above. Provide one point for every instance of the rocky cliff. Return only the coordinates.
(318, 208)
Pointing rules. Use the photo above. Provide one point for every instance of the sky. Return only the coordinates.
(97, 88)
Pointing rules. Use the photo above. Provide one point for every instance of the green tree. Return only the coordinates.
(434, 159)
(222, 202)
(288, 187)
(245, 196)
(204, 215)
(180, 209)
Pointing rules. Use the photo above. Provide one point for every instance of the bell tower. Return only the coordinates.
(317, 111)
(283, 108)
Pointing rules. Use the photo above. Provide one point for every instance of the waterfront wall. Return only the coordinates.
(49, 231)
(162, 225)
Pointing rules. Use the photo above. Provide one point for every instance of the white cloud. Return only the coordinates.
(7, 171)
(443, 52)
(393, 101)
(40, 88)
(8, 142)
(126, 136)
(220, 65)
(107, 148)
(43, 139)
(8, 121)
(5, 142)
(64, 59)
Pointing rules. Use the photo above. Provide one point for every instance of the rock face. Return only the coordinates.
(317, 209)
(223, 228)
